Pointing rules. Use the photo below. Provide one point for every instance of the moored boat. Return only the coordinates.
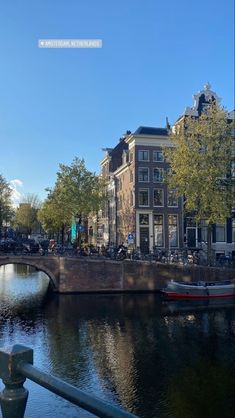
(200, 290)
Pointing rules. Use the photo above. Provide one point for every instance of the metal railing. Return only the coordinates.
(16, 364)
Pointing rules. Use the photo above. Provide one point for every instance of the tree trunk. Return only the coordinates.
(209, 244)
(62, 234)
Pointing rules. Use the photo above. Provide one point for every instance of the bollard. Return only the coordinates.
(14, 396)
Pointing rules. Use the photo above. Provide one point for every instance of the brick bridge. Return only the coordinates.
(68, 275)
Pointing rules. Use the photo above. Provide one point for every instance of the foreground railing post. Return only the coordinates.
(16, 366)
(14, 396)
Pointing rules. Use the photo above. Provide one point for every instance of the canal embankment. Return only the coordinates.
(82, 275)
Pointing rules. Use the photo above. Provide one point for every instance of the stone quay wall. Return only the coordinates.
(81, 275)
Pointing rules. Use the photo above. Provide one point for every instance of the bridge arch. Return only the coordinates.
(37, 264)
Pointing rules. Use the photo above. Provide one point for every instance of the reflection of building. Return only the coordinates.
(139, 203)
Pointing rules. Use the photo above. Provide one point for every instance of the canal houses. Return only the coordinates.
(223, 235)
(140, 209)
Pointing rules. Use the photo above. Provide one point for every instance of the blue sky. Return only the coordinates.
(56, 104)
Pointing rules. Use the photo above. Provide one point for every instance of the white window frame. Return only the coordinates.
(177, 226)
(162, 171)
(163, 231)
(233, 230)
(225, 234)
(143, 150)
(172, 206)
(143, 181)
(159, 206)
(143, 190)
(155, 160)
(145, 214)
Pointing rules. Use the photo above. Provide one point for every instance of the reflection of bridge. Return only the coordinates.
(84, 274)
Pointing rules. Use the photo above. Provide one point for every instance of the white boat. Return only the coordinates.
(201, 289)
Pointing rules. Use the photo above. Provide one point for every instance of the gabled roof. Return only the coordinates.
(116, 154)
(147, 130)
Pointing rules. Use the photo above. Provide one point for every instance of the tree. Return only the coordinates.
(77, 192)
(126, 220)
(26, 214)
(200, 166)
(33, 200)
(6, 210)
(53, 214)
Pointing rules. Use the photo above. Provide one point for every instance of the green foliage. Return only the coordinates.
(26, 218)
(200, 161)
(76, 191)
(6, 210)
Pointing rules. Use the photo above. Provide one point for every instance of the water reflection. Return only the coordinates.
(153, 358)
(22, 288)
(137, 354)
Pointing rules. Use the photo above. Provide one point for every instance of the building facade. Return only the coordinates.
(223, 235)
(140, 209)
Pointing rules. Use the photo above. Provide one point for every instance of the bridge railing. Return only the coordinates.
(16, 364)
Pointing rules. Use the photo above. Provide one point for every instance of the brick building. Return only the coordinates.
(140, 204)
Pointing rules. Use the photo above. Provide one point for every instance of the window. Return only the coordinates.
(233, 144)
(190, 222)
(173, 230)
(119, 185)
(158, 197)
(131, 176)
(124, 157)
(144, 197)
(203, 226)
(143, 174)
(172, 199)
(233, 230)
(158, 174)
(143, 155)
(158, 230)
(220, 232)
(131, 198)
(158, 156)
(144, 218)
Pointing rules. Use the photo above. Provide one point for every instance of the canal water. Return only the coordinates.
(154, 358)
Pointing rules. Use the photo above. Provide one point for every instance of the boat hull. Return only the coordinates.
(199, 290)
